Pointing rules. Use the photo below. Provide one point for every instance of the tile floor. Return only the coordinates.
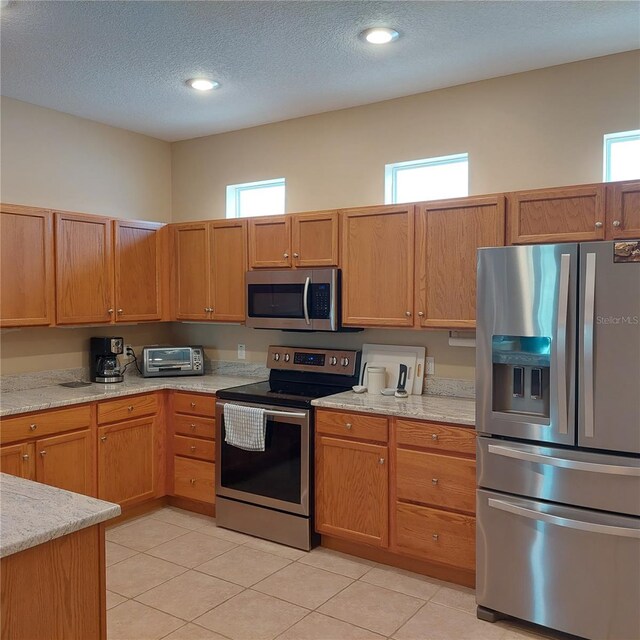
(176, 575)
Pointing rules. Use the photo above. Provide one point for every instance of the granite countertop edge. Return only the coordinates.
(33, 513)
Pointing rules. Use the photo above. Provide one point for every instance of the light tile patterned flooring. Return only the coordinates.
(176, 575)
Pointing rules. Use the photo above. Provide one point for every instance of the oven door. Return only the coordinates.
(278, 477)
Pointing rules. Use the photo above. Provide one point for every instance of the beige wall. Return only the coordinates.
(55, 160)
(534, 129)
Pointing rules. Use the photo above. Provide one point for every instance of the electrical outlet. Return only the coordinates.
(430, 365)
(128, 350)
(242, 354)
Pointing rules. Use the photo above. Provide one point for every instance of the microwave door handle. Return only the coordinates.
(305, 300)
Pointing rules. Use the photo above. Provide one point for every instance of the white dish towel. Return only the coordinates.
(244, 427)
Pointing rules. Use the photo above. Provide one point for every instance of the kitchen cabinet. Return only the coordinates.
(378, 266)
(448, 234)
(84, 269)
(66, 461)
(19, 460)
(563, 214)
(352, 481)
(138, 271)
(300, 240)
(623, 210)
(209, 270)
(26, 264)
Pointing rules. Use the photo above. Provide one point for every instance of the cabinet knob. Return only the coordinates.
(296, 255)
(434, 480)
(348, 425)
(43, 452)
(434, 436)
(193, 405)
(285, 255)
(33, 427)
(193, 426)
(25, 456)
(421, 314)
(120, 312)
(192, 481)
(407, 313)
(103, 438)
(616, 223)
(435, 536)
(193, 447)
(206, 309)
(598, 225)
(380, 460)
(130, 407)
(109, 311)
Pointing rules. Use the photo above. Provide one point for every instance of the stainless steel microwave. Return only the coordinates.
(172, 361)
(299, 299)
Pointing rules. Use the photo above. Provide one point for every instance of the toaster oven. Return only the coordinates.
(172, 361)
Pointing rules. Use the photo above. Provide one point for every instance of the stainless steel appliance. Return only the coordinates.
(558, 419)
(103, 360)
(172, 361)
(269, 493)
(301, 299)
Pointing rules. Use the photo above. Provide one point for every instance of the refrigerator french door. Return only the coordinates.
(558, 419)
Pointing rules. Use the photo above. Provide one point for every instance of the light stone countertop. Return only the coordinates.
(435, 408)
(32, 513)
(50, 397)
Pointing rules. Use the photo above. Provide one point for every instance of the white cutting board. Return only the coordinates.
(390, 357)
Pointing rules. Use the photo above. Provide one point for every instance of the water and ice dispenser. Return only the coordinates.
(521, 366)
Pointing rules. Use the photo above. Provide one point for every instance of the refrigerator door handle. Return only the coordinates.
(587, 336)
(554, 461)
(592, 527)
(561, 338)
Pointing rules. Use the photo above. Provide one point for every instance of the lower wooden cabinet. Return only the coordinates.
(66, 461)
(126, 461)
(352, 482)
(19, 460)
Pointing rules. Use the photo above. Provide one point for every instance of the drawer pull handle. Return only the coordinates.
(348, 425)
(193, 447)
(130, 407)
(43, 452)
(434, 480)
(103, 438)
(33, 427)
(193, 426)
(25, 456)
(434, 436)
(192, 481)
(435, 536)
(381, 461)
(193, 405)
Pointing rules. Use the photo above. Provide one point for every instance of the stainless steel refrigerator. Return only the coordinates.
(558, 422)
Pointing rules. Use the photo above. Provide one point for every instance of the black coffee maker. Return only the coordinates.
(103, 359)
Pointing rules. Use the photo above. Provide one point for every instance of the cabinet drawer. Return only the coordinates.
(439, 437)
(194, 426)
(430, 478)
(194, 479)
(194, 404)
(127, 408)
(352, 425)
(194, 448)
(44, 424)
(437, 536)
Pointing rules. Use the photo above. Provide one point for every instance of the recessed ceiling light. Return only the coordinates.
(202, 84)
(380, 35)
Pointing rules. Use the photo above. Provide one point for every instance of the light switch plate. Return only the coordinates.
(429, 365)
(242, 353)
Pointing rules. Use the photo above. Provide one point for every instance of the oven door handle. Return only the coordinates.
(305, 300)
(284, 414)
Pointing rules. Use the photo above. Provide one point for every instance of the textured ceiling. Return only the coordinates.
(125, 63)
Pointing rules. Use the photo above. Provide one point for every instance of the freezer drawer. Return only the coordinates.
(580, 478)
(570, 569)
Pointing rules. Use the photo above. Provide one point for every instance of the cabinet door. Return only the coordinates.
(377, 266)
(315, 239)
(623, 210)
(66, 462)
(18, 460)
(138, 271)
(565, 214)
(448, 235)
(228, 266)
(351, 490)
(126, 467)
(26, 264)
(270, 242)
(192, 271)
(84, 269)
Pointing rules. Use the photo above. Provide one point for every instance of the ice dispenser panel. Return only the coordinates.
(521, 374)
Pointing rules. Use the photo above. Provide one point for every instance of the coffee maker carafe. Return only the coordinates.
(103, 359)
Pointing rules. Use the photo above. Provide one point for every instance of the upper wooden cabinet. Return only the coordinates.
(209, 270)
(564, 214)
(448, 234)
(623, 210)
(301, 240)
(26, 264)
(138, 271)
(84, 269)
(378, 266)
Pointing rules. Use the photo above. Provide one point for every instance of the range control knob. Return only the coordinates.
(344, 362)
(333, 361)
(276, 356)
(287, 357)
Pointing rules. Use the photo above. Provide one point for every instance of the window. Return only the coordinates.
(622, 156)
(264, 198)
(429, 179)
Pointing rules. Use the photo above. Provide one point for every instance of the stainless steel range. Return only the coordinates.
(558, 419)
(269, 493)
